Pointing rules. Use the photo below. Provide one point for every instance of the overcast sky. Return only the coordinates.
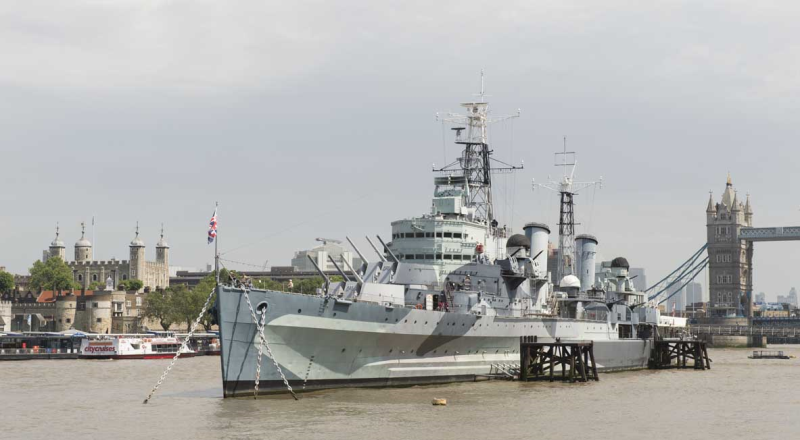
(313, 119)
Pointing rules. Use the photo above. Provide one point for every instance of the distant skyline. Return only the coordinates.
(311, 119)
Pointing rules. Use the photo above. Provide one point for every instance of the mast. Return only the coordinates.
(475, 163)
(567, 188)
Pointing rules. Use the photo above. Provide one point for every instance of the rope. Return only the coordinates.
(263, 342)
(183, 347)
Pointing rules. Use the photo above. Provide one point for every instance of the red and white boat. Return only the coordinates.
(132, 347)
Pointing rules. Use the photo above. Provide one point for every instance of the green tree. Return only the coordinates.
(96, 285)
(158, 305)
(186, 303)
(53, 274)
(6, 282)
(200, 294)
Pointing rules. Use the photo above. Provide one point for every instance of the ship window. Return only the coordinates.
(429, 256)
(457, 257)
(456, 235)
(410, 257)
(438, 235)
(420, 257)
(438, 256)
(429, 235)
(448, 257)
(448, 235)
(420, 235)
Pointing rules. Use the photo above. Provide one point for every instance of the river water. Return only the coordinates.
(738, 398)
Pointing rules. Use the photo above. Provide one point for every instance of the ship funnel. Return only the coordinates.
(538, 234)
(586, 250)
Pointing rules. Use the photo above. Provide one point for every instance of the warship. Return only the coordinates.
(446, 299)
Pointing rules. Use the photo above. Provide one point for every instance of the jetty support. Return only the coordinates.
(681, 351)
(571, 361)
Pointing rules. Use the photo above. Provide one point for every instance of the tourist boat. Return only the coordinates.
(134, 346)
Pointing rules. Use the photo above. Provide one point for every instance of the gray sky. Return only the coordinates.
(307, 119)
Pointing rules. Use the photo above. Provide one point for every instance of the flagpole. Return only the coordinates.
(216, 249)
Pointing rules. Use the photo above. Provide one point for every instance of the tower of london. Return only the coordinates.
(86, 270)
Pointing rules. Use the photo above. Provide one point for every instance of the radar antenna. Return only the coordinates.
(475, 163)
(568, 188)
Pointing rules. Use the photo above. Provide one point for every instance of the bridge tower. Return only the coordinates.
(730, 260)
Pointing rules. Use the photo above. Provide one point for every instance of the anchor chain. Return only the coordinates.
(183, 347)
(260, 353)
(263, 342)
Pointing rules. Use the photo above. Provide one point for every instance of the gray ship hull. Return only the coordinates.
(324, 343)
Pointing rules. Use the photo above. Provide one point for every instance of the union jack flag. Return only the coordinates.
(212, 228)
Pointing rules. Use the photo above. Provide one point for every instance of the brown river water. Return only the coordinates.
(738, 398)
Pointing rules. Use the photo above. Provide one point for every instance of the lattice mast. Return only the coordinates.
(475, 162)
(567, 189)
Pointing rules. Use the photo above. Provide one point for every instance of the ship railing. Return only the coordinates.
(37, 350)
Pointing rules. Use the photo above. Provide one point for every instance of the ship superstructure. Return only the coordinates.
(461, 225)
(446, 300)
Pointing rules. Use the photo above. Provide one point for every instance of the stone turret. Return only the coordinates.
(83, 247)
(137, 262)
(162, 249)
(748, 212)
(57, 248)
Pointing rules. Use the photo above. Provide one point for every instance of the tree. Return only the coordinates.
(96, 285)
(158, 305)
(6, 282)
(132, 284)
(53, 274)
(200, 294)
(186, 303)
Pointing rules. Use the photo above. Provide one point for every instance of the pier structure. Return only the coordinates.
(681, 351)
(571, 361)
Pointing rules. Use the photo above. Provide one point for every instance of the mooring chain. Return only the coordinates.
(183, 347)
(263, 341)
(260, 352)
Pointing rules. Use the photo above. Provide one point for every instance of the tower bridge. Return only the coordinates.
(731, 235)
(780, 233)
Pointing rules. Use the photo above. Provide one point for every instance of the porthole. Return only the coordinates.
(262, 307)
(299, 310)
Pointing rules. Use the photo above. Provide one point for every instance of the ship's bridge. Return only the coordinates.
(446, 241)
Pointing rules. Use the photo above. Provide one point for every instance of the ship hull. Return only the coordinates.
(321, 343)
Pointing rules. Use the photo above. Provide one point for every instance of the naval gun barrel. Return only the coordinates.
(321, 272)
(389, 251)
(355, 248)
(349, 266)
(380, 255)
(341, 272)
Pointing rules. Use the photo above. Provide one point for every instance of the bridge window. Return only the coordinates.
(456, 235)
(448, 257)
(448, 235)
(410, 257)
(438, 235)
(420, 235)
(429, 257)
(429, 235)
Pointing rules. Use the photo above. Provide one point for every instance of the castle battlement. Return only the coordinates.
(98, 263)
